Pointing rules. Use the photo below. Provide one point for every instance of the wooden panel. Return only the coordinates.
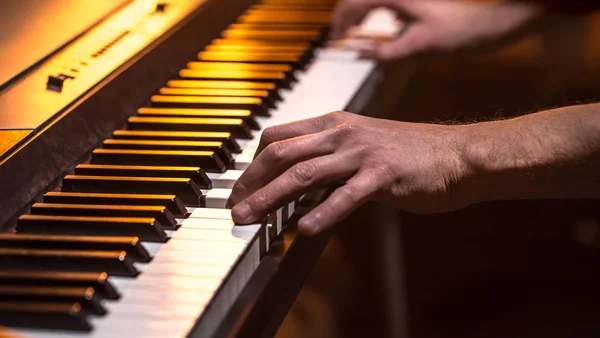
(11, 138)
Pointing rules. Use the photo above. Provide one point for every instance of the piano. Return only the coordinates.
(119, 147)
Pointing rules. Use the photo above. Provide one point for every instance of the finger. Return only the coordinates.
(277, 158)
(293, 183)
(345, 199)
(416, 39)
(348, 14)
(298, 128)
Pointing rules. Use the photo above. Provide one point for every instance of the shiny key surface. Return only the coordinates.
(86, 297)
(265, 95)
(96, 280)
(172, 202)
(292, 58)
(131, 245)
(245, 115)
(112, 262)
(184, 188)
(217, 147)
(147, 229)
(237, 127)
(263, 34)
(222, 84)
(227, 138)
(57, 316)
(160, 213)
(281, 79)
(254, 104)
(284, 16)
(195, 173)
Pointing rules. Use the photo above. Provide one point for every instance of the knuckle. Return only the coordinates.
(347, 128)
(268, 135)
(276, 152)
(304, 172)
(351, 193)
(337, 116)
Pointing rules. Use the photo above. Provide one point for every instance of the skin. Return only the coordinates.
(423, 168)
(437, 25)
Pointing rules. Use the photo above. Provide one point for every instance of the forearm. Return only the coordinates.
(551, 154)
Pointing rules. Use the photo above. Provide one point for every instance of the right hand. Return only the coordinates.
(435, 25)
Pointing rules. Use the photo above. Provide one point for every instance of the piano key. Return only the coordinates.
(112, 262)
(211, 213)
(264, 95)
(257, 105)
(222, 84)
(280, 79)
(285, 17)
(325, 7)
(293, 59)
(299, 46)
(227, 139)
(242, 161)
(86, 297)
(217, 198)
(58, 316)
(236, 127)
(131, 245)
(99, 281)
(245, 115)
(196, 174)
(160, 213)
(240, 66)
(276, 34)
(147, 229)
(172, 202)
(217, 147)
(184, 188)
(280, 26)
(225, 180)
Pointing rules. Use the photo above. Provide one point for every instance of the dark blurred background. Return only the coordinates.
(501, 269)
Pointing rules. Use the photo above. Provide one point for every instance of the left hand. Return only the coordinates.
(417, 167)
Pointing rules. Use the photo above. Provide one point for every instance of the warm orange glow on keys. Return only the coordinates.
(186, 120)
(213, 92)
(258, 34)
(195, 112)
(250, 56)
(147, 152)
(239, 66)
(176, 134)
(164, 143)
(221, 84)
(230, 74)
(205, 99)
(257, 48)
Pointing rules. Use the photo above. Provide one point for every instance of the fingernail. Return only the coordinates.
(241, 212)
(309, 224)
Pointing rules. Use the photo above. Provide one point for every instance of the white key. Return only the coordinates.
(242, 161)
(225, 180)
(214, 213)
(217, 197)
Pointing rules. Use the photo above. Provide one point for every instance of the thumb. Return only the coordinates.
(348, 14)
(416, 39)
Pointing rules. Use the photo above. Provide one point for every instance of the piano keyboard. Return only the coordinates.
(137, 241)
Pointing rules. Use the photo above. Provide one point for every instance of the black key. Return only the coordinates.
(112, 262)
(195, 173)
(273, 34)
(254, 104)
(264, 95)
(131, 245)
(281, 79)
(161, 213)
(268, 86)
(279, 26)
(325, 7)
(56, 316)
(288, 17)
(147, 229)
(227, 139)
(184, 188)
(86, 297)
(245, 115)
(297, 46)
(172, 202)
(216, 147)
(306, 52)
(247, 67)
(236, 127)
(294, 59)
(96, 280)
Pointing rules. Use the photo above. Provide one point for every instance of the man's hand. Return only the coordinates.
(415, 166)
(421, 168)
(436, 25)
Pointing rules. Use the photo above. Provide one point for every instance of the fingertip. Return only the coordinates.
(310, 224)
(241, 214)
